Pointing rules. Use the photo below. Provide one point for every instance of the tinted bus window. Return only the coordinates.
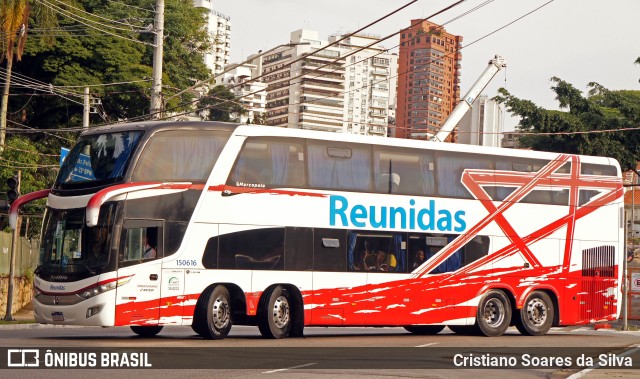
(259, 249)
(450, 167)
(377, 252)
(408, 172)
(184, 155)
(339, 166)
(329, 250)
(269, 163)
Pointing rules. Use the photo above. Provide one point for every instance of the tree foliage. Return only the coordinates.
(75, 56)
(601, 123)
(93, 57)
(221, 105)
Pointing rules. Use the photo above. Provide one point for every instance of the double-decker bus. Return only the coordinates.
(208, 224)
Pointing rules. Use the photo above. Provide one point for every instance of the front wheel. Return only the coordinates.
(146, 331)
(212, 318)
(536, 316)
(274, 314)
(494, 313)
(424, 330)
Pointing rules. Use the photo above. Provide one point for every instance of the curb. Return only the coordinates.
(37, 326)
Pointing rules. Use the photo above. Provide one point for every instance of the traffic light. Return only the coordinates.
(14, 188)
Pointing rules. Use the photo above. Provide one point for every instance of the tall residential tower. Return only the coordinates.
(428, 79)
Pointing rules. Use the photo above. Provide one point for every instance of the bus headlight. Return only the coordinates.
(102, 288)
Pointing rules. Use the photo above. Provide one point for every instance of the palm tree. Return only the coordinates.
(14, 24)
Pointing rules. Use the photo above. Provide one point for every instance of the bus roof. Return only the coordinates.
(153, 126)
(263, 130)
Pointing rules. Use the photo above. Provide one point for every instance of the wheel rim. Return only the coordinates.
(281, 312)
(494, 312)
(536, 312)
(221, 314)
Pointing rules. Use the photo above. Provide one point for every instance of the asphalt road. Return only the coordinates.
(327, 352)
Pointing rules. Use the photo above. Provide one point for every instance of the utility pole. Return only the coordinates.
(86, 109)
(156, 90)
(14, 246)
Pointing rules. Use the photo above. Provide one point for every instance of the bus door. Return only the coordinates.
(141, 250)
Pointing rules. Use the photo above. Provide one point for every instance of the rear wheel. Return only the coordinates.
(146, 331)
(274, 315)
(425, 330)
(494, 313)
(212, 318)
(536, 316)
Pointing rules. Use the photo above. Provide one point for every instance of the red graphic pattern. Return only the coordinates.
(453, 297)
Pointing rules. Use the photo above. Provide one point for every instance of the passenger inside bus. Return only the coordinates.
(419, 258)
(385, 261)
(149, 251)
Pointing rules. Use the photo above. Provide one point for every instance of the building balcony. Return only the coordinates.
(327, 102)
(320, 85)
(379, 105)
(380, 62)
(378, 130)
(380, 72)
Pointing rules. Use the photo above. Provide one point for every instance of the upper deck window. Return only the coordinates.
(180, 155)
(98, 160)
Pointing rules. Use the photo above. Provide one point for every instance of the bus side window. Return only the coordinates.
(339, 166)
(269, 163)
(141, 244)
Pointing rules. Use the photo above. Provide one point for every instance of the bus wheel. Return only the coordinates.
(212, 319)
(424, 330)
(536, 316)
(274, 314)
(494, 313)
(146, 331)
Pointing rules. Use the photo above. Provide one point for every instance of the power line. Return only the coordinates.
(304, 56)
(79, 19)
(447, 55)
(331, 44)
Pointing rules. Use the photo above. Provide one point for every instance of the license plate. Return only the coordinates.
(57, 316)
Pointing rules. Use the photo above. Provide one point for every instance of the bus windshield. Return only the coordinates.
(97, 160)
(70, 247)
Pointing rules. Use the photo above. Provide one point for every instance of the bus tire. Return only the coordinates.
(146, 331)
(212, 319)
(536, 316)
(424, 330)
(274, 314)
(494, 313)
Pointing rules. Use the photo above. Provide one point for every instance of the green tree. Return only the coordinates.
(93, 57)
(14, 26)
(24, 155)
(591, 125)
(221, 105)
(259, 118)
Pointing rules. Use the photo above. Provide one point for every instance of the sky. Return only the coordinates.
(579, 41)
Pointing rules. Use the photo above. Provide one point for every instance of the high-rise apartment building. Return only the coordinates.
(370, 76)
(219, 28)
(251, 94)
(482, 125)
(309, 88)
(429, 65)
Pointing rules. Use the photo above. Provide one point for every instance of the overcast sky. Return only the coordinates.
(580, 41)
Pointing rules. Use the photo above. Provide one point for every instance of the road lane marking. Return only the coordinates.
(428, 344)
(288, 368)
(588, 370)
